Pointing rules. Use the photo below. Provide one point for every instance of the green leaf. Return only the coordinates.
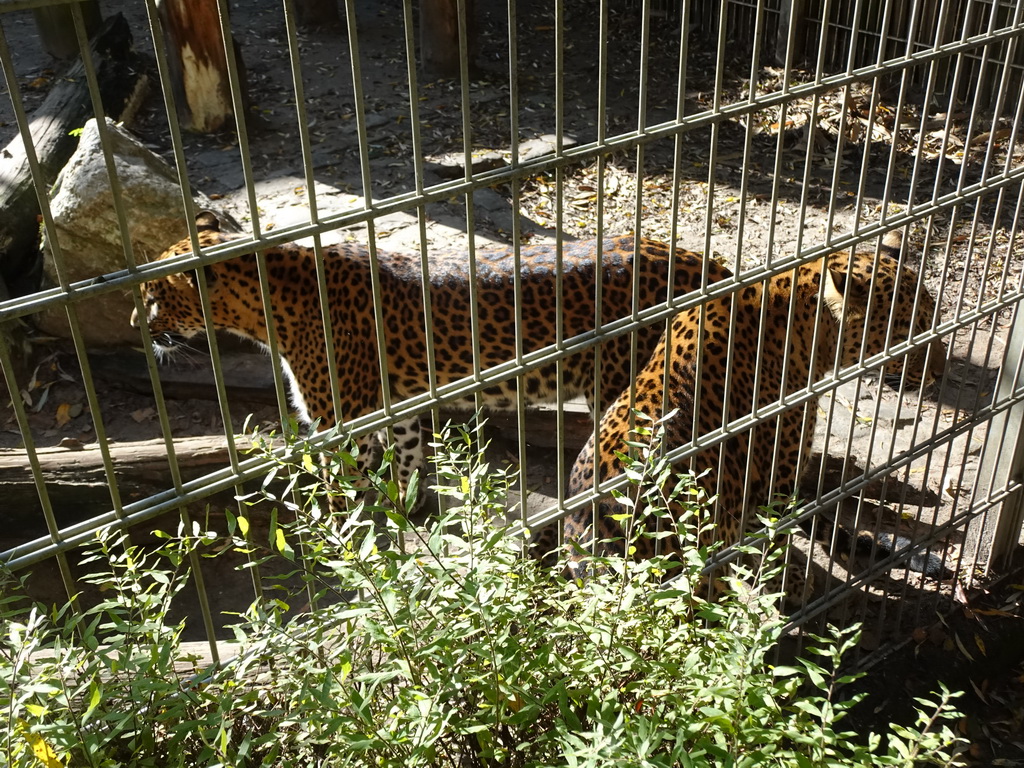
(308, 464)
(281, 544)
(37, 710)
(94, 699)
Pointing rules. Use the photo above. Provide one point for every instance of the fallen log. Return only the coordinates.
(53, 127)
(78, 488)
(140, 462)
(77, 485)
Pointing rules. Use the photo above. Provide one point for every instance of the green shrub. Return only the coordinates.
(452, 651)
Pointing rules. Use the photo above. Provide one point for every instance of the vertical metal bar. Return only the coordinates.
(734, 299)
(708, 221)
(238, 107)
(830, 413)
(1002, 460)
(371, 242)
(778, 176)
(302, 124)
(926, 101)
(517, 278)
(851, 61)
(314, 214)
(677, 181)
(417, 152)
(467, 151)
(560, 468)
(602, 129)
(810, 129)
(641, 124)
(890, 175)
(944, 277)
(748, 132)
(790, 11)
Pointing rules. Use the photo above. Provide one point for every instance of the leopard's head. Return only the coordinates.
(881, 304)
(173, 306)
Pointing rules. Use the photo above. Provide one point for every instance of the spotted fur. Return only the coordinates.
(760, 464)
(174, 313)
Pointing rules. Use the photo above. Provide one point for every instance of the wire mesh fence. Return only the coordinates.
(456, 249)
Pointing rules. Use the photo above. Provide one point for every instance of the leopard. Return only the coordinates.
(474, 317)
(726, 360)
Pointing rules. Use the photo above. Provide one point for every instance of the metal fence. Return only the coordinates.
(679, 132)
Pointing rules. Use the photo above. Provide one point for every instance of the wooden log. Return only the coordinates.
(198, 64)
(65, 109)
(143, 461)
(77, 485)
(78, 489)
(75, 476)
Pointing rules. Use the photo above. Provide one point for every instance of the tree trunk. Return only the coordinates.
(439, 36)
(66, 108)
(198, 65)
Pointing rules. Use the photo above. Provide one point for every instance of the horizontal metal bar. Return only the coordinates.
(119, 280)
(253, 468)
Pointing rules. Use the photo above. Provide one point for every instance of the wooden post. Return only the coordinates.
(195, 52)
(1002, 465)
(57, 27)
(788, 47)
(439, 36)
(317, 14)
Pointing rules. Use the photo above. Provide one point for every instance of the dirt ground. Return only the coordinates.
(981, 642)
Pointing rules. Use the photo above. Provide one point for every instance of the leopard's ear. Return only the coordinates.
(192, 277)
(207, 220)
(835, 279)
(892, 244)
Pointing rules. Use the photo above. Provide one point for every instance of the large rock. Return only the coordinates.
(90, 239)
